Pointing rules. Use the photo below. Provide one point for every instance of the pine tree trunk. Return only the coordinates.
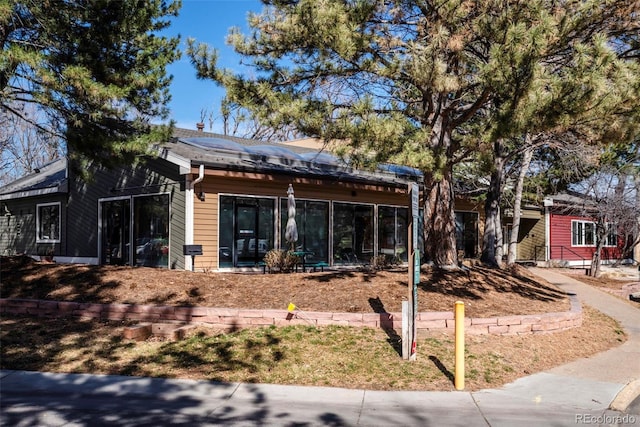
(517, 204)
(499, 237)
(439, 222)
(492, 220)
(439, 214)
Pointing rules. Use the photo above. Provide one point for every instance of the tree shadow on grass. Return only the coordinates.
(91, 346)
(386, 323)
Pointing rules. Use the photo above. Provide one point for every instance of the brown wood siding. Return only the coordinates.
(469, 206)
(205, 227)
(206, 212)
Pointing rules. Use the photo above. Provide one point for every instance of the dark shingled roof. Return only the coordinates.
(216, 151)
(50, 178)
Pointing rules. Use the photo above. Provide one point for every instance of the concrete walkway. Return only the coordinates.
(619, 365)
(580, 392)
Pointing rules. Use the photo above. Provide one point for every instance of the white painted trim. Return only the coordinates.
(189, 212)
(38, 206)
(547, 230)
(188, 218)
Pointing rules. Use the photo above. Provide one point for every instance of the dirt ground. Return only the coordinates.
(484, 291)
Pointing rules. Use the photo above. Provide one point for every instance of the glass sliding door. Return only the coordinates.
(247, 229)
(352, 233)
(392, 232)
(316, 231)
(246, 234)
(151, 230)
(225, 234)
(312, 220)
(115, 231)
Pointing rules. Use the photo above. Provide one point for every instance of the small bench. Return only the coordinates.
(315, 265)
(264, 267)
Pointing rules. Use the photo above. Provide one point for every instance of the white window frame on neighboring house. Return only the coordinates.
(579, 234)
(40, 235)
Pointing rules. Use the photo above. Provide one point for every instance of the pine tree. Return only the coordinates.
(96, 68)
(413, 82)
(575, 76)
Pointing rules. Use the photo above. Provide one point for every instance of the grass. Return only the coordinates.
(304, 355)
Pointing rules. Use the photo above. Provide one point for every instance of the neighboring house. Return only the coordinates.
(571, 234)
(531, 233)
(228, 195)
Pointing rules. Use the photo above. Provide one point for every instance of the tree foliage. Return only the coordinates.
(95, 68)
(568, 77)
(425, 83)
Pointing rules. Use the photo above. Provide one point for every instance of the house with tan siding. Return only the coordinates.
(225, 198)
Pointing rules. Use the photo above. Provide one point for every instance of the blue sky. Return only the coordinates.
(206, 21)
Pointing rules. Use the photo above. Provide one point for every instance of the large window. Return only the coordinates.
(48, 223)
(352, 233)
(143, 220)
(312, 221)
(115, 231)
(583, 233)
(151, 230)
(247, 230)
(392, 232)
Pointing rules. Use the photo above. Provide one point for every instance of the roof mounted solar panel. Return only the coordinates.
(208, 143)
(273, 151)
(321, 158)
(400, 170)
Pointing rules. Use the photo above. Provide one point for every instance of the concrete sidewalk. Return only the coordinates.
(580, 392)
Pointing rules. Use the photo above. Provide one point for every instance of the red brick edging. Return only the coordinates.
(233, 318)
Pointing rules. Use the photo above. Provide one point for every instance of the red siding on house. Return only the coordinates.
(560, 241)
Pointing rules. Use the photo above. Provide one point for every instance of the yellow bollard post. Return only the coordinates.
(459, 367)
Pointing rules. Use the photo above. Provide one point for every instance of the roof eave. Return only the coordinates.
(61, 188)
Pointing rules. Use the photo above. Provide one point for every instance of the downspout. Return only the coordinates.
(548, 203)
(189, 212)
(200, 175)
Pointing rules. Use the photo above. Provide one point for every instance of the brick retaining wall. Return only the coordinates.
(231, 318)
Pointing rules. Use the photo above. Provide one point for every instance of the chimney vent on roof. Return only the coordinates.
(200, 126)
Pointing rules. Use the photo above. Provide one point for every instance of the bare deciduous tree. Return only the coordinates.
(24, 146)
(610, 201)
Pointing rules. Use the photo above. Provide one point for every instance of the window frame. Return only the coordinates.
(578, 239)
(39, 223)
